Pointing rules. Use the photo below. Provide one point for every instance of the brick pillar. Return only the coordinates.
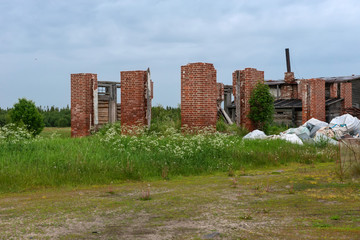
(289, 77)
(334, 90)
(313, 99)
(133, 100)
(198, 96)
(83, 88)
(346, 94)
(248, 80)
(220, 92)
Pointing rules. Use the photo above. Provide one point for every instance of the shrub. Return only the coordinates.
(25, 113)
(261, 106)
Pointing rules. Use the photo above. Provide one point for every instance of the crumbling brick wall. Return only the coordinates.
(289, 77)
(133, 100)
(220, 92)
(83, 88)
(289, 91)
(249, 78)
(346, 94)
(198, 96)
(313, 99)
(334, 90)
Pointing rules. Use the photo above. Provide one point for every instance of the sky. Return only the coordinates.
(43, 41)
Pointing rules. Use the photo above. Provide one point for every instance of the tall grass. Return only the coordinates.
(111, 157)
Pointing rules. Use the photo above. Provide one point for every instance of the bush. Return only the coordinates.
(25, 113)
(261, 106)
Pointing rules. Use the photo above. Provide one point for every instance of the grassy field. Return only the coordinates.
(51, 132)
(109, 157)
(299, 201)
(172, 186)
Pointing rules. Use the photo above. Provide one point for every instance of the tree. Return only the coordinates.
(261, 106)
(25, 113)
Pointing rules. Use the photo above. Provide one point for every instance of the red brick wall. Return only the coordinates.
(82, 103)
(334, 90)
(248, 80)
(288, 91)
(198, 96)
(313, 99)
(346, 94)
(220, 92)
(133, 101)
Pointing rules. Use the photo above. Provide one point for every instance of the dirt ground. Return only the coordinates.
(293, 202)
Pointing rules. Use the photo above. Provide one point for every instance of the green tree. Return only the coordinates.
(25, 113)
(261, 106)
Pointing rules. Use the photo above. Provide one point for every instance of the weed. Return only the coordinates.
(246, 216)
(165, 173)
(320, 224)
(231, 172)
(335, 217)
(268, 188)
(145, 194)
(234, 182)
(290, 189)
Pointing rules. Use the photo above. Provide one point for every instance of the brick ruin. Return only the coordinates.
(94, 103)
(199, 95)
(83, 112)
(298, 100)
(244, 82)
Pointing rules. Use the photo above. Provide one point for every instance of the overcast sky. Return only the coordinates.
(43, 41)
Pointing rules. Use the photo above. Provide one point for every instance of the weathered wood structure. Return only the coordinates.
(108, 109)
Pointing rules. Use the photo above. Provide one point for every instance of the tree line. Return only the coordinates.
(52, 116)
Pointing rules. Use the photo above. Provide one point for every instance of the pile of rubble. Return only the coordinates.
(345, 126)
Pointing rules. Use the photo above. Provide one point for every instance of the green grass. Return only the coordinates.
(110, 157)
(50, 132)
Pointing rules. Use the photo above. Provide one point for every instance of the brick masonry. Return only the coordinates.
(334, 90)
(313, 99)
(133, 100)
(82, 103)
(199, 94)
(220, 92)
(289, 77)
(248, 80)
(346, 94)
(289, 91)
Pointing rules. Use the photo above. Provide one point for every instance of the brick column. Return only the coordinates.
(313, 99)
(198, 96)
(220, 92)
(133, 100)
(289, 77)
(249, 78)
(346, 94)
(83, 88)
(334, 90)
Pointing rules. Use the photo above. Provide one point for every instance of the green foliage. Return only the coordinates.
(163, 118)
(56, 117)
(276, 129)
(25, 113)
(221, 126)
(3, 117)
(261, 106)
